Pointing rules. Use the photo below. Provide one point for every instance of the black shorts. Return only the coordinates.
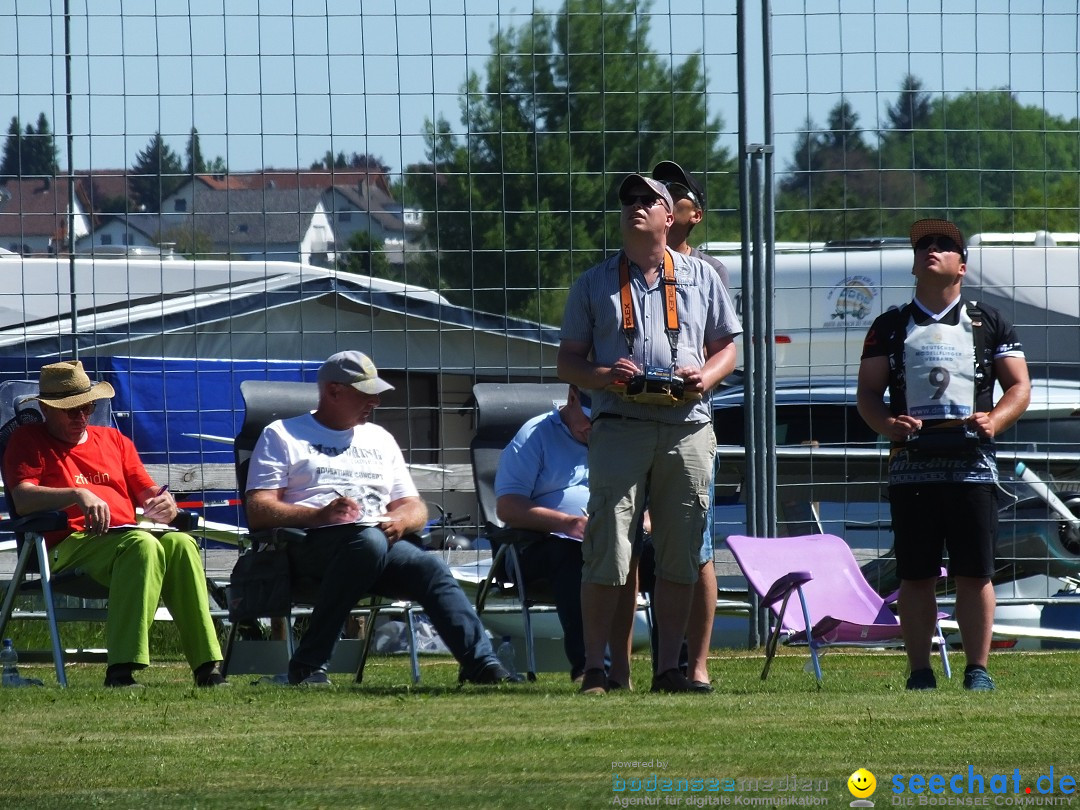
(929, 518)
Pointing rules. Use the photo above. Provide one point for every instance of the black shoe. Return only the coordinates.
(595, 682)
(209, 675)
(922, 679)
(301, 675)
(490, 674)
(672, 681)
(702, 686)
(118, 676)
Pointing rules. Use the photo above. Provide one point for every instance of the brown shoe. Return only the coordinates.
(594, 682)
(672, 681)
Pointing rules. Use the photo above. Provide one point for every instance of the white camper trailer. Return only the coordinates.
(828, 294)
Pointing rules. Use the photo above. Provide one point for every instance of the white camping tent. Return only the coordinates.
(233, 310)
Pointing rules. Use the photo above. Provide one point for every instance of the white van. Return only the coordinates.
(828, 294)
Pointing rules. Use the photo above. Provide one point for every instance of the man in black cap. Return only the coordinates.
(688, 209)
(938, 358)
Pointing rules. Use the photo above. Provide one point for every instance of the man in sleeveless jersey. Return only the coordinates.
(939, 358)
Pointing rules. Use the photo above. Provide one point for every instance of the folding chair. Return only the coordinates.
(502, 408)
(265, 402)
(838, 606)
(33, 574)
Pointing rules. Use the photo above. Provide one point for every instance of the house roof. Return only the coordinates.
(33, 208)
(248, 216)
(299, 178)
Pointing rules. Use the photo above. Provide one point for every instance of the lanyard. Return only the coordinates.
(671, 307)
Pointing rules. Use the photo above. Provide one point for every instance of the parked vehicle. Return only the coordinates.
(827, 295)
(831, 471)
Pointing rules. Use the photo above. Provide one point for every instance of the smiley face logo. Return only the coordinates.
(862, 784)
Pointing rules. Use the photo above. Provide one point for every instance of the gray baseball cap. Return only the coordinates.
(632, 180)
(355, 369)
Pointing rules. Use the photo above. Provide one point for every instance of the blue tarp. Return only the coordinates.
(159, 400)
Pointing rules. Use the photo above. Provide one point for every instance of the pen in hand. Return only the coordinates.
(161, 491)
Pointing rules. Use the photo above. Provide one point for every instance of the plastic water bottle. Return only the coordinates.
(506, 655)
(9, 660)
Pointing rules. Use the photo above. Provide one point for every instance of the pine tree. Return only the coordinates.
(156, 173)
(195, 162)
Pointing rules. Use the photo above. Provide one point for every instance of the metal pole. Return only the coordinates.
(748, 308)
(768, 275)
(71, 184)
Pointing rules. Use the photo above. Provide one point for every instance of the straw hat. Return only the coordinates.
(65, 385)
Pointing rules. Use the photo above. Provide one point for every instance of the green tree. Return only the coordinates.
(980, 157)
(518, 205)
(43, 154)
(833, 188)
(11, 160)
(32, 153)
(365, 255)
(156, 173)
(330, 161)
(195, 163)
(190, 243)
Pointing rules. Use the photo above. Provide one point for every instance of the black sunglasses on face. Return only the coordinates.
(945, 243)
(644, 200)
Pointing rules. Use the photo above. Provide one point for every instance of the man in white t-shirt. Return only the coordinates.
(344, 480)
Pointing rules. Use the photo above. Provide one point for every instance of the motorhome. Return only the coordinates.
(827, 294)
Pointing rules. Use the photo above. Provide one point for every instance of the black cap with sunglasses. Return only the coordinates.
(679, 182)
(939, 232)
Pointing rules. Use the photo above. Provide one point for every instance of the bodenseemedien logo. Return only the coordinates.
(862, 785)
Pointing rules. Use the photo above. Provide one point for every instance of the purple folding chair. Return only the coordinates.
(838, 605)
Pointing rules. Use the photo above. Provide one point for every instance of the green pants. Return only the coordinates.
(139, 569)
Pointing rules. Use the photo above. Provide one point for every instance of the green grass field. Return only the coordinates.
(389, 744)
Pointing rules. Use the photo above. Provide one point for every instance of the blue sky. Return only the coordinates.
(279, 82)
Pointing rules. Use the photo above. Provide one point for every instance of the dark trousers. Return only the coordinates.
(557, 561)
(352, 562)
(647, 585)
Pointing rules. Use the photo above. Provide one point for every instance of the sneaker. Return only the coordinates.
(922, 679)
(281, 679)
(978, 680)
(300, 675)
(594, 682)
(491, 674)
(672, 681)
(316, 680)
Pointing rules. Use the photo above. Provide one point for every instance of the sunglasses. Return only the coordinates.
(82, 410)
(945, 243)
(679, 192)
(644, 200)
